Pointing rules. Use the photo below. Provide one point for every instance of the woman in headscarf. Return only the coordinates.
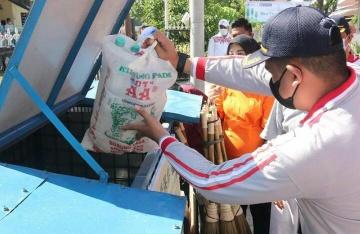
(244, 116)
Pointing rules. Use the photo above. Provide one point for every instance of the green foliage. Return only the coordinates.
(326, 6)
(151, 12)
(217, 10)
(354, 19)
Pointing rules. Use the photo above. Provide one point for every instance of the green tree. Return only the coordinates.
(151, 12)
(326, 6)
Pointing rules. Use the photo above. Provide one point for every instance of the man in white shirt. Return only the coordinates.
(218, 43)
(317, 163)
(9, 26)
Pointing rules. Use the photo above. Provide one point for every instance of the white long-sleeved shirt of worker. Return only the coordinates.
(315, 163)
(281, 120)
(218, 45)
(227, 71)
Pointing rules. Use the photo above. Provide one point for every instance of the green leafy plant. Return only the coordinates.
(151, 12)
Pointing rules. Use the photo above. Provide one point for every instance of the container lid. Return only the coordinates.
(135, 48)
(60, 75)
(120, 41)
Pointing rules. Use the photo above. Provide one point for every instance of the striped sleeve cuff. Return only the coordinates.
(165, 141)
(198, 68)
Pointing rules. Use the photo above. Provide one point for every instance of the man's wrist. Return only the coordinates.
(181, 62)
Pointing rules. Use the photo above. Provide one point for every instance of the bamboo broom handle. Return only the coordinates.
(180, 135)
(222, 143)
(193, 209)
(219, 155)
(204, 125)
(211, 132)
(181, 125)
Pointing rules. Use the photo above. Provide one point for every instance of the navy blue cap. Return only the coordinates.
(299, 31)
(342, 24)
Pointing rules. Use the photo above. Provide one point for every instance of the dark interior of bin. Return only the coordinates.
(46, 149)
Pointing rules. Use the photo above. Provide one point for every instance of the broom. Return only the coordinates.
(219, 155)
(181, 125)
(227, 224)
(222, 143)
(193, 209)
(180, 135)
(211, 225)
(211, 135)
(242, 226)
(204, 127)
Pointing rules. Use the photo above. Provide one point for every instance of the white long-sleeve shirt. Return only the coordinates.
(218, 45)
(316, 163)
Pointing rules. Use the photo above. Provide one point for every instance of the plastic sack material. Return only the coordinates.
(126, 80)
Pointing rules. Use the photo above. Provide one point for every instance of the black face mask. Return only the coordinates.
(288, 102)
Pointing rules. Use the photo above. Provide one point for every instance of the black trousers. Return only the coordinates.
(261, 217)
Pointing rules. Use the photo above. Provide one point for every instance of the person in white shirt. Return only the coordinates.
(9, 26)
(218, 43)
(317, 162)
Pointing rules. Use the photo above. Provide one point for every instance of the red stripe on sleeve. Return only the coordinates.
(200, 68)
(243, 177)
(166, 142)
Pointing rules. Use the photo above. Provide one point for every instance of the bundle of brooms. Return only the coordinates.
(219, 218)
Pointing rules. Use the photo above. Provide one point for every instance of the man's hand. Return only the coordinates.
(151, 128)
(165, 48)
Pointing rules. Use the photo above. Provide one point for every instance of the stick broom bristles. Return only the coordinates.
(242, 226)
(211, 225)
(227, 224)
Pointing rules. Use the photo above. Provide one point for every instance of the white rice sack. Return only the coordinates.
(126, 80)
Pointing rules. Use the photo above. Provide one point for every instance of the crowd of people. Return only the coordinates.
(302, 155)
(6, 25)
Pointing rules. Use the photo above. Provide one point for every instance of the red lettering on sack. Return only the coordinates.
(97, 150)
(145, 95)
(145, 83)
(116, 145)
(131, 92)
(138, 83)
(141, 141)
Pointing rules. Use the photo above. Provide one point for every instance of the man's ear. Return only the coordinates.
(298, 74)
